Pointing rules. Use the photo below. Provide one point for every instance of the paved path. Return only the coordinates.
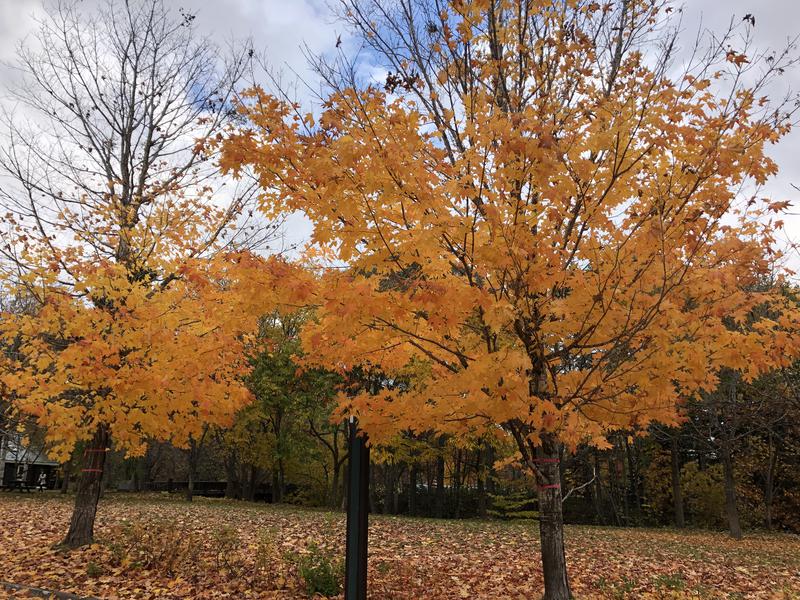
(40, 593)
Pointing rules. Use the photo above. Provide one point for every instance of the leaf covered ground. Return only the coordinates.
(160, 547)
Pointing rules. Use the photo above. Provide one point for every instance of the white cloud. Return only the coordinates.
(280, 28)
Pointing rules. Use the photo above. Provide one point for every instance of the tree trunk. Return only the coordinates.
(231, 477)
(397, 473)
(613, 493)
(81, 527)
(371, 490)
(195, 449)
(337, 468)
(597, 488)
(631, 453)
(456, 487)
(337, 462)
(137, 479)
(481, 491)
(346, 478)
(769, 484)
(190, 487)
(551, 521)
(281, 479)
(621, 479)
(430, 486)
(277, 490)
(730, 494)
(489, 469)
(677, 492)
(191, 459)
(66, 472)
(387, 480)
(440, 479)
(252, 483)
(412, 489)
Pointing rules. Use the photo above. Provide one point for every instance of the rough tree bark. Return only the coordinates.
(551, 520)
(81, 527)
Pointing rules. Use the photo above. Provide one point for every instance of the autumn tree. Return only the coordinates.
(722, 420)
(539, 215)
(276, 389)
(738, 413)
(287, 427)
(780, 473)
(329, 435)
(119, 229)
(671, 437)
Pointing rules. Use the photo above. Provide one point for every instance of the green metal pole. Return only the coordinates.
(355, 578)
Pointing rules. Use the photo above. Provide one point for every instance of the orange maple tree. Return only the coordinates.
(120, 234)
(540, 224)
(112, 354)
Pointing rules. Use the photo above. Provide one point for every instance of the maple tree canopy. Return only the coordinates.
(134, 267)
(153, 346)
(562, 252)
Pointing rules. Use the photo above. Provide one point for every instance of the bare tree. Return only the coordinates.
(107, 118)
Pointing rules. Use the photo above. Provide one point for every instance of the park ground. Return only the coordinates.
(162, 547)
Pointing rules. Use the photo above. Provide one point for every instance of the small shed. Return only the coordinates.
(22, 466)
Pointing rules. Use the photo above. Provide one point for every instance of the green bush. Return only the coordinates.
(320, 570)
(513, 505)
(704, 495)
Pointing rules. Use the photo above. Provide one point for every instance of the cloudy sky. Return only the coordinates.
(280, 28)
